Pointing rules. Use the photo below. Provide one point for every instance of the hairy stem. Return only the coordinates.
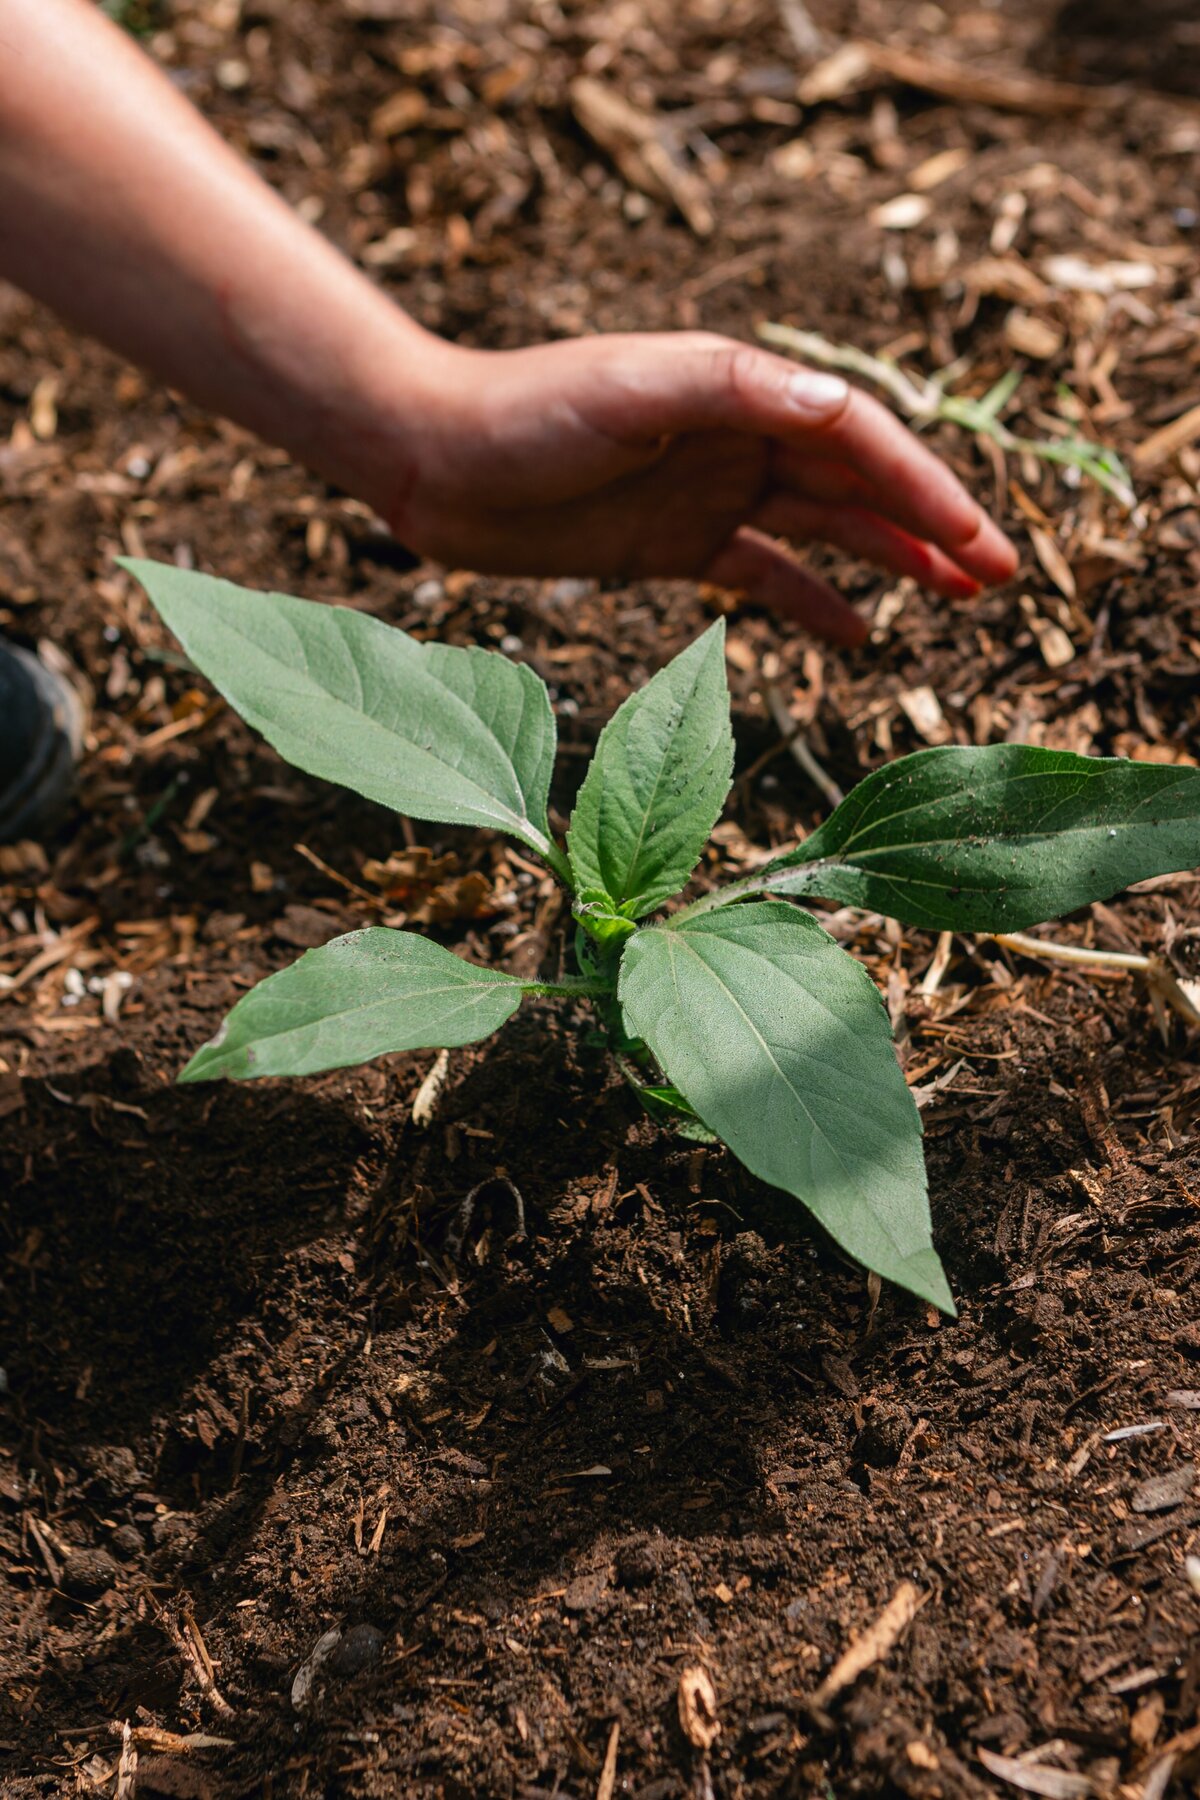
(557, 859)
(570, 987)
(736, 890)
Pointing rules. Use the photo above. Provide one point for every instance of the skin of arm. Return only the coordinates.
(680, 454)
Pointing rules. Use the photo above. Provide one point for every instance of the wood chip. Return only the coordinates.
(425, 1103)
(1053, 561)
(1033, 1778)
(608, 1774)
(1030, 336)
(1005, 278)
(902, 213)
(643, 149)
(399, 114)
(392, 249)
(955, 81)
(698, 1708)
(1145, 1723)
(127, 1767)
(1075, 276)
(938, 168)
(923, 710)
(836, 75)
(1056, 647)
(1159, 1493)
(43, 408)
(875, 1644)
(794, 161)
(1161, 445)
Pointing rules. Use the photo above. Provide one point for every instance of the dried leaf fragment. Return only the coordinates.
(311, 1667)
(1033, 1778)
(923, 710)
(698, 1708)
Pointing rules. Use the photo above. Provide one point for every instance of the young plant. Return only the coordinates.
(736, 1016)
(925, 399)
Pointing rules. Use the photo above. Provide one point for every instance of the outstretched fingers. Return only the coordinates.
(768, 573)
(863, 533)
(917, 487)
(699, 382)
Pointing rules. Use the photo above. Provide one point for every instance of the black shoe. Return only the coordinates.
(41, 734)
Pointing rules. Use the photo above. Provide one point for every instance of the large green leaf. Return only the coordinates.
(998, 838)
(367, 994)
(464, 737)
(780, 1042)
(657, 783)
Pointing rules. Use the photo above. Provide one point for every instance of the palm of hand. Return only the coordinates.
(687, 456)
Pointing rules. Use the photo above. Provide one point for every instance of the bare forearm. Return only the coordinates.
(125, 212)
(680, 454)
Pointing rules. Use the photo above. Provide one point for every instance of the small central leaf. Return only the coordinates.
(465, 737)
(781, 1044)
(657, 783)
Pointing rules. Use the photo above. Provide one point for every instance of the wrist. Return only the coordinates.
(371, 430)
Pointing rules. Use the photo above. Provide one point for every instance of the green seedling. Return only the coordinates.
(736, 1016)
(925, 400)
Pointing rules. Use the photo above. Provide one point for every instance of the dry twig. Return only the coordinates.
(873, 1645)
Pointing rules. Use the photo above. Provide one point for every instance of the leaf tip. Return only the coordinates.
(925, 1277)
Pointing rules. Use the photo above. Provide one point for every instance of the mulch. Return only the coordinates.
(536, 1452)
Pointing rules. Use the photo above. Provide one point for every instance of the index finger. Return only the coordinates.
(935, 505)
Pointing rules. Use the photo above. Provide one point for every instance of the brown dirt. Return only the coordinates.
(248, 1359)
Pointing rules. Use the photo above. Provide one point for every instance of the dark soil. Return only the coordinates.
(281, 1364)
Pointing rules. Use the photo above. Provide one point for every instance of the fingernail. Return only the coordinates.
(817, 394)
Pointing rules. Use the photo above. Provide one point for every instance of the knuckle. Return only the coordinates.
(739, 371)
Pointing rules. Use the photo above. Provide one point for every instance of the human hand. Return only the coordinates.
(678, 454)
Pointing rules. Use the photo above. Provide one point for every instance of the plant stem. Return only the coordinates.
(550, 853)
(1046, 950)
(570, 987)
(724, 896)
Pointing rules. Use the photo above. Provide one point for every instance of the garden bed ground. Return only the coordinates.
(281, 1363)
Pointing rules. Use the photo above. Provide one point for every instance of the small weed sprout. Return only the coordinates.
(735, 1016)
(925, 400)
